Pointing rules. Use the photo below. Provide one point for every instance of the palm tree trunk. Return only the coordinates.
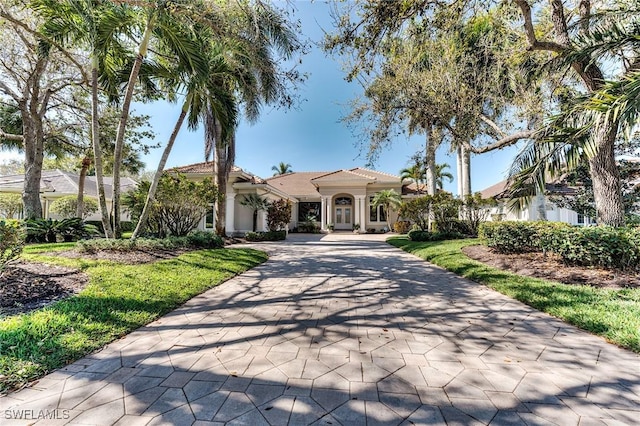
(466, 172)
(86, 162)
(605, 176)
(97, 151)
(459, 172)
(124, 117)
(430, 160)
(156, 178)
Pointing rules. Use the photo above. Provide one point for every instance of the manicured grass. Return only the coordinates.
(612, 314)
(118, 299)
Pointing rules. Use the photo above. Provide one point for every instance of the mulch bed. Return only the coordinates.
(552, 268)
(26, 286)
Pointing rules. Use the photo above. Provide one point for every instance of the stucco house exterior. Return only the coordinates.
(55, 184)
(341, 198)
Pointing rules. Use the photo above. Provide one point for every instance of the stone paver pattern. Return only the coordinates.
(344, 330)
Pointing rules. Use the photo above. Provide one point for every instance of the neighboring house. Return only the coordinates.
(55, 184)
(341, 198)
(540, 207)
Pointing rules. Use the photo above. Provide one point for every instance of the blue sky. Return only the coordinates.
(311, 137)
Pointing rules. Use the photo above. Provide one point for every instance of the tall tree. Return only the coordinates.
(557, 32)
(281, 169)
(35, 81)
(263, 39)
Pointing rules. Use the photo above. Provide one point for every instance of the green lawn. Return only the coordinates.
(612, 314)
(118, 299)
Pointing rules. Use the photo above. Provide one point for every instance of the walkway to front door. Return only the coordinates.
(345, 329)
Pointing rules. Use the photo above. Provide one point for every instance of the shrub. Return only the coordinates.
(510, 236)
(402, 227)
(416, 211)
(602, 246)
(49, 230)
(179, 204)
(266, 236)
(67, 206)
(198, 239)
(11, 243)
(278, 215)
(204, 239)
(418, 235)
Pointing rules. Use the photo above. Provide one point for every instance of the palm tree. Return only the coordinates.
(259, 81)
(415, 173)
(99, 26)
(282, 169)
(441, 175)
(256, 203)
(203, 91)
(387, 198)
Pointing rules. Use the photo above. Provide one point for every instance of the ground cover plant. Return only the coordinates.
(611, 313)
(118, 299)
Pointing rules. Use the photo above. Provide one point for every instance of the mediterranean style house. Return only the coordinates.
(340, 199)
(55, 184)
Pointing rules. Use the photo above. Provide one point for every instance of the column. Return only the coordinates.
(362, 201)
(323, 214)
(329, 205)
(230, 215)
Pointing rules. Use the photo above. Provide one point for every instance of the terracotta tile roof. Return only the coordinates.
(297, 184)
(343, 175)
(380, 176)
(204, 167)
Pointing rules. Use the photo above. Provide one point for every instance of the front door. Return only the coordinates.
(344, 217)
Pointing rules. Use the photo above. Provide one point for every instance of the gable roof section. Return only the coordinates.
(206, 168)
(378, 176)
(343, 176)
(297, 184)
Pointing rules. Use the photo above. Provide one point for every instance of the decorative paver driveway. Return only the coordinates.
(344, 330)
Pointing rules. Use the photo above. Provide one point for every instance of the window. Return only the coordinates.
(376, 214)
(308, 211)
(343, 201)
(210, 217)
(580, 219)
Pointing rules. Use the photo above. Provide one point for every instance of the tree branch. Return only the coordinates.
(10, 136)
(501, 143)
(493, 125)
(534, 43)
(6, 15)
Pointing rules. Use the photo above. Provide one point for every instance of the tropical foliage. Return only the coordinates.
(388, 199)
(256, 203)
(67, 207)
(11, 243)
(179, 205)
(10, 205)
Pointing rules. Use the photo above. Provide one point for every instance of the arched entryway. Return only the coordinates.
(343, 211)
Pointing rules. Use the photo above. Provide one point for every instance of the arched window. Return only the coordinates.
(344, 201)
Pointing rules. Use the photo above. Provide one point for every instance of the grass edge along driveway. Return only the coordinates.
(611, 313)
(118, 299)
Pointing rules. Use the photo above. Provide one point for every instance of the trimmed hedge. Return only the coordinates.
(266, 236)
(196, 239)
(417, 235)
(601, 246)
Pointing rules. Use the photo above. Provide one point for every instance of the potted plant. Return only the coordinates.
(330, 227)
(356, 228)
